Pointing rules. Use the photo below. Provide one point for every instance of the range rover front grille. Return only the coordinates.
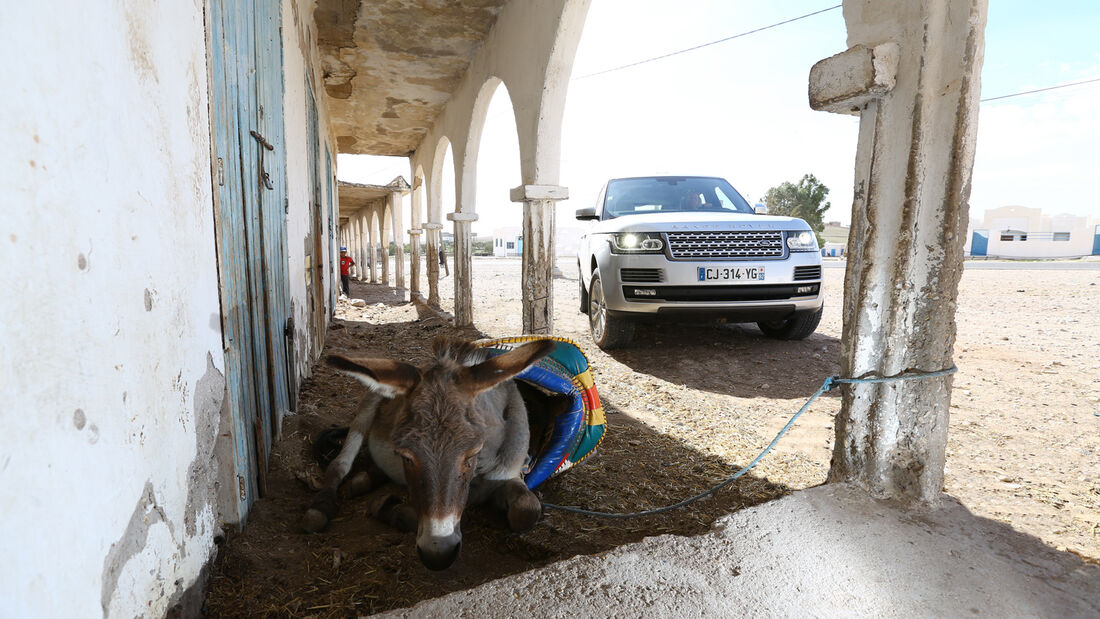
(641, 275)
(811, 272)
(711, 245)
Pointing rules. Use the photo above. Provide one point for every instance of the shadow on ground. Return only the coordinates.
(360, 566)
(732, 359)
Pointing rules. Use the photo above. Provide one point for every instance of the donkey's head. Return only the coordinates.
(440, 429)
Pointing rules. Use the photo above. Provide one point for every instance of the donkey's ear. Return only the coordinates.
(386, 377)
(486, 374)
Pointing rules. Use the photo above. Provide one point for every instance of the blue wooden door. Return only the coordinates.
(979, 243)
(1096, 241)
(250, 203)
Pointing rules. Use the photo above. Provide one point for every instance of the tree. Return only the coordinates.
(806, 200)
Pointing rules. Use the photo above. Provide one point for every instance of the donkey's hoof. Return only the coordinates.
(524, 512)
(314, 521)
(359, 484)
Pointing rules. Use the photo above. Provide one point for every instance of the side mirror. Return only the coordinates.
(760, 208)
(586, 214)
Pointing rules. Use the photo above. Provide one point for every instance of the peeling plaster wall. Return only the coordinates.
(300, 52)
(111, 337)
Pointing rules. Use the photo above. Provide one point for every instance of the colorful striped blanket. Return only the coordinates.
(577, 432)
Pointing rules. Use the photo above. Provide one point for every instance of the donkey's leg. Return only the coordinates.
(364, 481)
(388, 505)
(522, 506)
(503, 483)
(323, 508)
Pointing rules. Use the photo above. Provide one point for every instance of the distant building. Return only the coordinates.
(508, 242)
(1023, 232)
(836, 239)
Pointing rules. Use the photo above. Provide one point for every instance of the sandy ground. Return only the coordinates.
(1024, 439)
(687, 405)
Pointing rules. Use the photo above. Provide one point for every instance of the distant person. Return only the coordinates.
(443, 260)
(345, 271)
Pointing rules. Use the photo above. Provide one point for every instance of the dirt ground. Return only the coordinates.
(687, 405)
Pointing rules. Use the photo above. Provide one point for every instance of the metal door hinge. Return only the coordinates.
(264, 176)
(220, 171)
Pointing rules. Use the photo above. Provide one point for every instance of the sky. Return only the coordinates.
(739, 109)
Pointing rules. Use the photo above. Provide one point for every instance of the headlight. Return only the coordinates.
(801, 241)
(637, 243)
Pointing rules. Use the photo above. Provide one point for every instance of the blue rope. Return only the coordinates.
(829, 384)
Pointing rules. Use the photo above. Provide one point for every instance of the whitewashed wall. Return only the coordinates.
(110, 340)
(299, 52)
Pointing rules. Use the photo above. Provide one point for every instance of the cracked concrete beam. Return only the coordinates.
(846, 82)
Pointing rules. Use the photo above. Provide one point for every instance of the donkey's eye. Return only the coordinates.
(406, 457)
(471, 460)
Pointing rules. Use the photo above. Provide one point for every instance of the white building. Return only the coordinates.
(1023, 232)
(508, 242)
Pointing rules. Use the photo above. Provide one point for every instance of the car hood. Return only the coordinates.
(698, 222)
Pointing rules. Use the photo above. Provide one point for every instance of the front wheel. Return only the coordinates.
(608, 331)
(797, 327)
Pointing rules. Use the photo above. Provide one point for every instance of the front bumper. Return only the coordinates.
(678, 290)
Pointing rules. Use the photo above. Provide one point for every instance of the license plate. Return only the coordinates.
(731, 274)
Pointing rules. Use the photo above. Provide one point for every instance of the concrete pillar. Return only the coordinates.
(372, 251)
(414, 261)
(538, 254)
(353, 236)
(398, 240)
(415, 232)
(385, 226)
(913, 76)
(431, 257)
(361, 245)
(464, 292)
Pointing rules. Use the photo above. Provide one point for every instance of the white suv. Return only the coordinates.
(689, 247)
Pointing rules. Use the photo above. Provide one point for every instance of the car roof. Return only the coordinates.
(661, 177)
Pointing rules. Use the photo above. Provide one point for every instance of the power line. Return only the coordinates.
(691, 49)
(1028, 92)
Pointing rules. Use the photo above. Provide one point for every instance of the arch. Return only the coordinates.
(466, 190)
(498, 154)
(538, 94)
(435, 189)
(416, 201)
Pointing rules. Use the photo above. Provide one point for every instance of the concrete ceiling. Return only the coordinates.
(390, 66)
(356, 196)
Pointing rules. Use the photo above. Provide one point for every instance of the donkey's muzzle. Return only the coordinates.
(439, 556)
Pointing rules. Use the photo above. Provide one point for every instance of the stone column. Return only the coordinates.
(431, 257)
(371, 249)
(415, 232)
(913, 76)
(353, 238)
(414, 261)
(361, 245)
(384, 224)
(397, 223)
(538, 254)
(464, 292)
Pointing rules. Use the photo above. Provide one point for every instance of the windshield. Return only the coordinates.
(671, 194)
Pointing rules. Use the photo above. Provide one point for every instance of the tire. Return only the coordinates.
(609, 332)
(583, 292)
(797, 327)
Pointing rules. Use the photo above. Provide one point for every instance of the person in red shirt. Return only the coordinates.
(345, 270)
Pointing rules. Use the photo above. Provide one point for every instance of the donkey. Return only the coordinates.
(455, 433)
